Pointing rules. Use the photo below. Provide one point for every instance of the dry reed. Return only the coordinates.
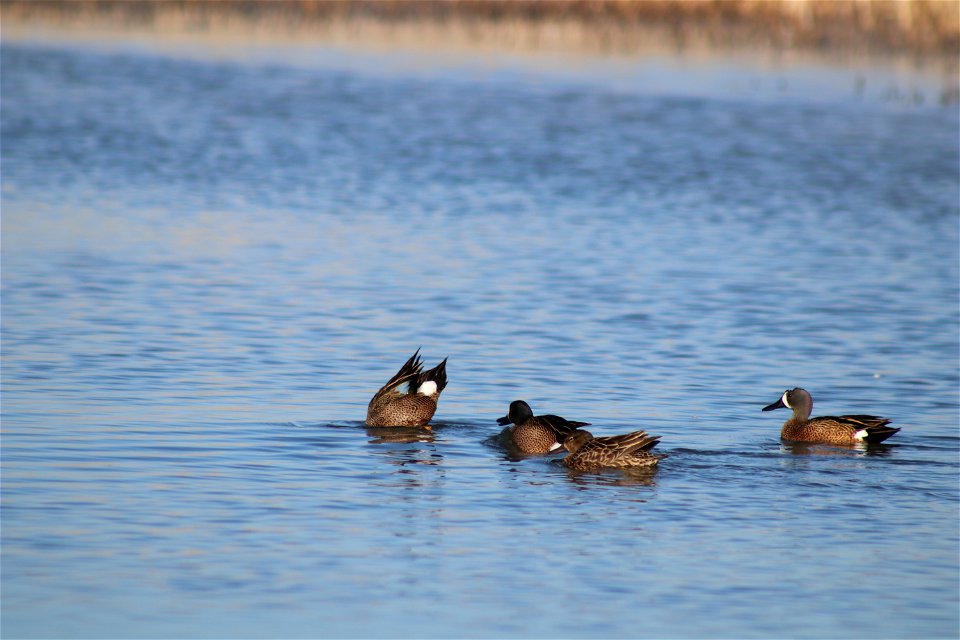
(921, 29)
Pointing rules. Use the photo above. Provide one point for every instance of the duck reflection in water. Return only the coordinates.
(845, 450)
(642, 477)
(407, 448)
(402, 435)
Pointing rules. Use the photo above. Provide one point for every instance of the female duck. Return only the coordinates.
(409, 399)
(535, 434)
(827, 429)
(629, 451)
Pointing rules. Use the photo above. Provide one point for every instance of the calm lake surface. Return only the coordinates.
(210, 264)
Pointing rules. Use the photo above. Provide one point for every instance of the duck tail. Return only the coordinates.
(438, 375)
(876, 435)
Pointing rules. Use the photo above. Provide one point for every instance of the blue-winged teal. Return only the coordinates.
(629, 451)
(535, 434)
(409, 398)
(827, 429)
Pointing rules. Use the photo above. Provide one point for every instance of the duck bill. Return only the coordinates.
(505, 420)
(776, 405)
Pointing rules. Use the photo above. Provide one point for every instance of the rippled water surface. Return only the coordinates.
(209, 266)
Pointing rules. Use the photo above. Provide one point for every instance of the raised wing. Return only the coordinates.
(410, 371)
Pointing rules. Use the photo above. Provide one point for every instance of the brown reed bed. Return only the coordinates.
(919, 29)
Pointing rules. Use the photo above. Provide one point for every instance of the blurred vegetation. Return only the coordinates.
(919, 28)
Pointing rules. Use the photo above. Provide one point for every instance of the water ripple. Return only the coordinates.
(210, 266)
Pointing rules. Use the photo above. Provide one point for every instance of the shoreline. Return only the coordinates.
(922, 31)
(542, 41)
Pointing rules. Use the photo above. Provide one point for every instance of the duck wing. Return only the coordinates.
(875, 426)
(561, 427)
(863, 421)
(410, 371)
(629, 442)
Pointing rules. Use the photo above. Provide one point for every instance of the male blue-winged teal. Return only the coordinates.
(629, 451)
(827, 429)
(535, 434)
(409, 399)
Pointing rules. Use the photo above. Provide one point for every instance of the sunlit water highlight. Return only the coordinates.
(209, 267)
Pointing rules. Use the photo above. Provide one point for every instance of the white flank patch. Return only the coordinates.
(860, 435)
(428, 388)
(786, 403)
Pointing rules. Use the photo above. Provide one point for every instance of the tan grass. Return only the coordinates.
(920, 29)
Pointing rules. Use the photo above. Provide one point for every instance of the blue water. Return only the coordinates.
(210, 265)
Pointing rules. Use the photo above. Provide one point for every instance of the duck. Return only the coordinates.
(409, 398)
(627, 451)
(535, 434)
(853, 429)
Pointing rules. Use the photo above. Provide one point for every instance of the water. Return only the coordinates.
(210, 265)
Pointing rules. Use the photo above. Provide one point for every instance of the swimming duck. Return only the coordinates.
(827, 429)
(629, 451)
(409, 399)
(535, 434)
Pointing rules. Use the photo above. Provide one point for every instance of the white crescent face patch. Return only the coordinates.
(428, 388)
(784, 400)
